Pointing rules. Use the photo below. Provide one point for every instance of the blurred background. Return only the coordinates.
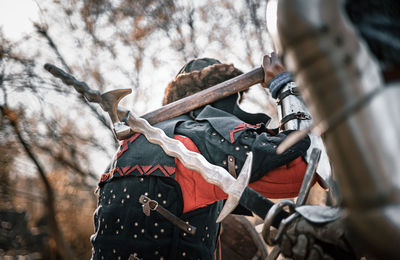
(53, 144)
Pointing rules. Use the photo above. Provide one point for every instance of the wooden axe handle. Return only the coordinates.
(207, 96)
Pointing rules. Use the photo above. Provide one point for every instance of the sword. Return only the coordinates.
(211, 173)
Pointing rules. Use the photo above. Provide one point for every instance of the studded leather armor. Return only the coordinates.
(124, 231)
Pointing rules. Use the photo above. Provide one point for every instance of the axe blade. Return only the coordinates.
(236, 190)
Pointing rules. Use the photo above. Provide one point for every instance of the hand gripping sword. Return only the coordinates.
(211, 173)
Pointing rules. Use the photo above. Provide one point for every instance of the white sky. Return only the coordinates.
(16, 17)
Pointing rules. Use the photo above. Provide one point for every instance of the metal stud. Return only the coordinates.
(141, 179)
(203, 239)
(237, 148)
(156, 252)
(128, 196)
(162, 230)
(105, 226)
(159, 195)
(102, 219)
(111, 191)
(119, 258)
(109, 202)
(183, 253)
(118, 220)
(113, 196)
(222, 140)
(122, 201)
(114, 251)
(136, 224)
(214, 133)
(224, 162)
(236, 166)
(134, 235)
(189, 229)
(246, 146)
(206, 227)
(230, 159)
(122, 226)
(99, 250)
(164, 202)
(102, 257)
(155, 236)
(142, 231)
(156, 224)
(162, 258)
(184, 234)
(116, 232)
(102, 232)
(125, 189)
(207, 235)
(146, 193)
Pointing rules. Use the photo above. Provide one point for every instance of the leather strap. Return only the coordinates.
(298, 115)
(291, 91)
(152, 205)
(231, 166)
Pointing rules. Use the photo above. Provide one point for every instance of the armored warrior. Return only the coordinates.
(142, 177)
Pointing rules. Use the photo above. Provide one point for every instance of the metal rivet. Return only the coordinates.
(156, 224)
(184, 234)
(102, 220)
(124, 189)
(122, 201)
(236, 166)
(183, 253)
(263, 143)
(142, 231)
(116, 232)
(214, 133)
(109, 202)
(146, 194)
(203, 239)
(246, 146)
(230, 159)
(189, 229)
(119, 258)
(162, 230)
(105, 226)
(222, 140)
(104, 197)
(102, 257)
(134, 236)
(136, 224)
(113, 196)
(237, 148)
(128, 196)
(206, 227)
(164, 202)
(141, 179)
(156, 252)
(224, 162)
(111, 191)
(118, 220)
(122, 227)
(159, 195)
(162, 258)
(155, 236)
(102, 232)
(114, 251)
(246, 137)
(208, 235)
(99, 250)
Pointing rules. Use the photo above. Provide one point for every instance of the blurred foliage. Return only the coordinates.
(53, 143)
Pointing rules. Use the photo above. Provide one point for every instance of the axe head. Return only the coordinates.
(236, 190)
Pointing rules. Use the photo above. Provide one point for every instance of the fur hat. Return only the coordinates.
(197, 75)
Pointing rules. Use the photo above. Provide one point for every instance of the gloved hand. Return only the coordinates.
(315, 241)
(275, 75)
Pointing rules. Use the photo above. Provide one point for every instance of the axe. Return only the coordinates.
(211, 173)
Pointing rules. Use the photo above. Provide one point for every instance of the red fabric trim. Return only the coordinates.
(124, 144)
(169, 169)
(240, 127)
(282, 182)
(146, 168)
(158, 167)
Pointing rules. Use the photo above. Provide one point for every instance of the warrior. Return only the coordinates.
(142, 173)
